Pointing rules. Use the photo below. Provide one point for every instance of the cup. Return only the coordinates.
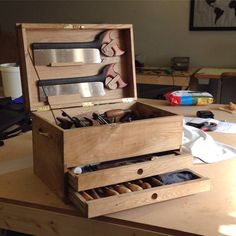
(11, 80)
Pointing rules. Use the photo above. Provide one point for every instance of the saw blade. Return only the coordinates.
(91, 89)
(44, 57)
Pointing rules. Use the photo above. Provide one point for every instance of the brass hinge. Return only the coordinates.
(71, 26)
(127, 100)
(68, 26)
(43, 108)
(87, 104)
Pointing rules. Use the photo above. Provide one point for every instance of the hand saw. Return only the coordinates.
(46, 53)
(87, 86)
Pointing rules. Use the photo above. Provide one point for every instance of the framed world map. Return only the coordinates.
(213, 15)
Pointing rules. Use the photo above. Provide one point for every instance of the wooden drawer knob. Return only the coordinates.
(154, 196)
(140, 171)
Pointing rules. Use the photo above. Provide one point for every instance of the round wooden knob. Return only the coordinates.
(140, 171)
(154, 196)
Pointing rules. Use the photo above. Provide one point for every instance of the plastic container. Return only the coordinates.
(11, 80)
(189, 98)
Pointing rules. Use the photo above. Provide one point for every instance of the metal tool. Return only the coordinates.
(88, 86)
(94, 89)
(63, 57)
(100, 118)
(75, 120)
(103, 41)
(64, 123)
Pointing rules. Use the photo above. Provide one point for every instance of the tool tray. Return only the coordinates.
(114, 203)
(56, 150)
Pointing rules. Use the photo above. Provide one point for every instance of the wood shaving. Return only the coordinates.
(232, 106)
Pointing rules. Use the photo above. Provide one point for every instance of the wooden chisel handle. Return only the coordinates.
(117, 113)
(144, 185)
(133, 187)
(155, 182)
(94, 194)
(122, 189)
(86, 196)
(110, 192)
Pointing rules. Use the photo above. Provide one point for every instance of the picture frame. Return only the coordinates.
(212, 15)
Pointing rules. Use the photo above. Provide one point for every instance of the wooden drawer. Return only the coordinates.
(111, 204)
(99, 178)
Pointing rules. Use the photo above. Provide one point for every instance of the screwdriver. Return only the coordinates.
(100, 118)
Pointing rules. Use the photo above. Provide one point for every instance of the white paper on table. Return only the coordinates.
(203, 147)
(222, 126)
(226, 127)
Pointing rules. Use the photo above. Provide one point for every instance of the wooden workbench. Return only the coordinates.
(177, 78)
(211, 74)
(27, 205)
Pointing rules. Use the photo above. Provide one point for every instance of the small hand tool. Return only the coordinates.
(117, 113)
(84, 169)
(143, 185)
(86, 196)
(94, 194)
(154, 182)
(100, 118)
(88, 121)
(76, 121)
(121, 189)
(101, 192)
(133, 187)
(110, 192)
(64, 123)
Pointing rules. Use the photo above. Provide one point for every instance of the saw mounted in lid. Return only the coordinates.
(57, 54)
(87, 86)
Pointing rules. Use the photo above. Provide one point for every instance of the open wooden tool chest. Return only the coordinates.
(93, 143)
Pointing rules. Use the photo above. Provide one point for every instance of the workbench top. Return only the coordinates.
(208, 213)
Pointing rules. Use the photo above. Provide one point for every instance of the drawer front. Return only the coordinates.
(100, 178)
(111, 204)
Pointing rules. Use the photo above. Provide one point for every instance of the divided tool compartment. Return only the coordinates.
(87, 71)
(103, 200)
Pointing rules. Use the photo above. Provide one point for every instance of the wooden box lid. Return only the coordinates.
(124, 66)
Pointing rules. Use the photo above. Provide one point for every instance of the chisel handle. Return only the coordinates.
(86, 196)
(117, 113)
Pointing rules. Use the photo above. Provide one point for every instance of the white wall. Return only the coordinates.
(160, 27)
